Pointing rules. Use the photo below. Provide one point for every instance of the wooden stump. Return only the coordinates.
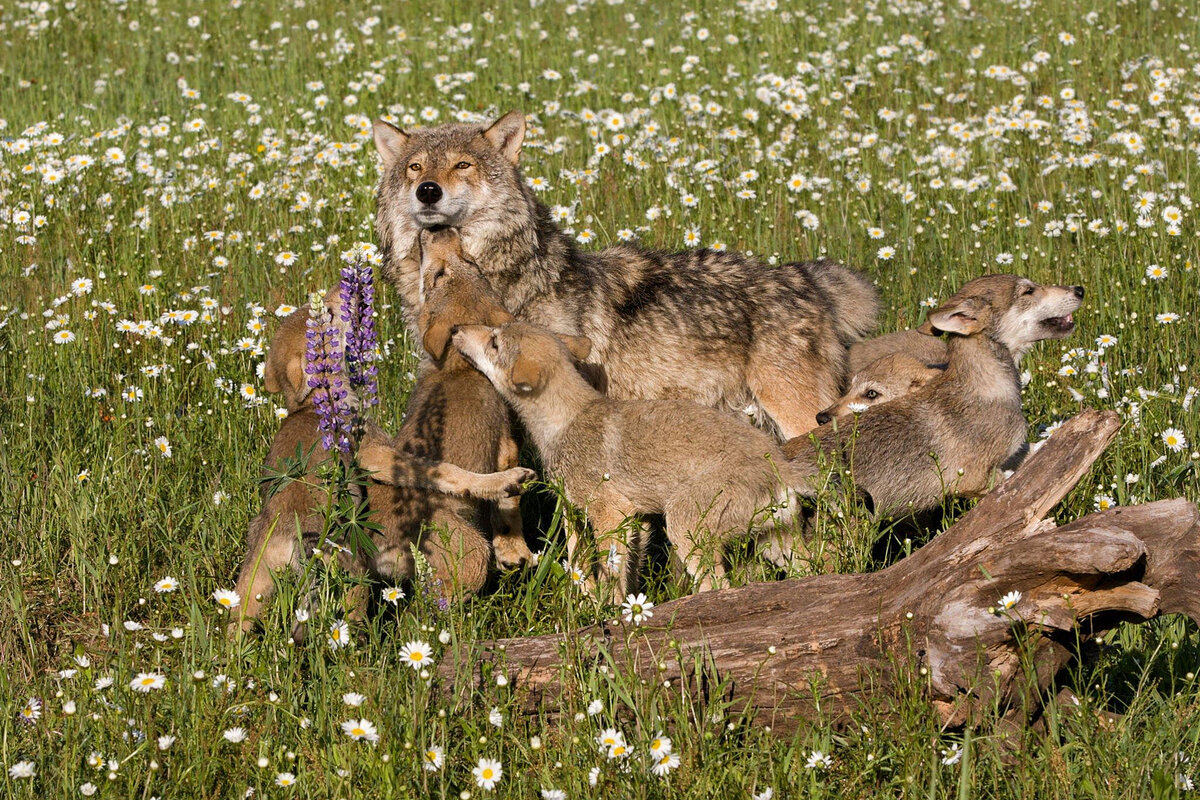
(798, 648)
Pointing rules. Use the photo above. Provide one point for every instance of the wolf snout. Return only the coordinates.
(429, 193)
(1078, 290)
(824, 417)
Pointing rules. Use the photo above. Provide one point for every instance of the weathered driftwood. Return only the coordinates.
(927, 620)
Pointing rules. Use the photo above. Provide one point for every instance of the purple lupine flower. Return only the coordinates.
(358, 314)
(323, 364)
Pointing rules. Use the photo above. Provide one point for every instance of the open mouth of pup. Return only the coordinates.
(1064, 324)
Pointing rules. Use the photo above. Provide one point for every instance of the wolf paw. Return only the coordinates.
(511, 552)
(512, 482)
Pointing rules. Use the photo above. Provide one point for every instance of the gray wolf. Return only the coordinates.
(716, 328)
(710, 475)
(968, 418)
(291, 521)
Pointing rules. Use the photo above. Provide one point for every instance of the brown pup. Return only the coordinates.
(710, 475)
(291, 521)
(1020, 318)
(881, 381)
(454, 414)
(969, 417)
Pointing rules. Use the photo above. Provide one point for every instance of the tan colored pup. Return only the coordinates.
(291, 521)
(881, 381)
(1019, 319)
(710, 474)
(969, 417)
(454, 414)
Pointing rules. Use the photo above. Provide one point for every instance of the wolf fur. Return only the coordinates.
(716, 328)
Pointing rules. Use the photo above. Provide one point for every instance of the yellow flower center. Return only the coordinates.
(487, 774)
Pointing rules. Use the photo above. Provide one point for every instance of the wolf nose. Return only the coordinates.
(429, 193)
(824, 417)
(1078, 291)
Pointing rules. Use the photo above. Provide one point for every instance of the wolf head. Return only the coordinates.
(457, 175)
(453, 292)
(520, 360)
(882, 380)
(1014, 311)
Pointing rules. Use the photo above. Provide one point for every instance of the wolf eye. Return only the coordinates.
(462, 165)
(415, 167)
(1028, 291)
(871, 394)
(492, 343)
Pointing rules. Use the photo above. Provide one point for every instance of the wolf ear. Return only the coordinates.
(284, 371)
(527, 375)
(437, 338)
(506, 135)
(957, 316)
(929, 374)
(580, 347)
(389, 141)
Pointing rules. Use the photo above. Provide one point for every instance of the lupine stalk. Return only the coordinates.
(325, 370)
(358, 316)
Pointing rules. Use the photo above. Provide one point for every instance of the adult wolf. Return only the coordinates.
(714, 327)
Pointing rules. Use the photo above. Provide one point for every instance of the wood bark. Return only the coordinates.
(805, 647)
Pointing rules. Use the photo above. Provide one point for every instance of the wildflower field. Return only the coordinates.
(175, 175)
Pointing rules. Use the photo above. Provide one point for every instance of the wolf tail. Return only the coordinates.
(852, 299)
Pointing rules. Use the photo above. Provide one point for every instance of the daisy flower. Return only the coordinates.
(818, 760)
(226, 598)
(433, 758)
(31, 711)
(339, 634)
(1010, 600)
(360, 729)
(488, 773)
(63, 337)
(147, 681)
(164, 446)
(416, 654)
(353, 699)
(285, 779)
(1174, 439)
(234, 735)
(636, 609)
(664, 764)
(166, 585)
(392, 594)
(22, 770)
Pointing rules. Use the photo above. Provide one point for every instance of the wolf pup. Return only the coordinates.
(881, 381)
(709, 474)
(291, 521)
(1027, 308)
(968, 417)
(454, 414)
(713, 327)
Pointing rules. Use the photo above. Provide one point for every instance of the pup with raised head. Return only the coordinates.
(454, 414)
(710, 475)
(291, 521)
(968, 417)
(713, 327)
(1031, 303)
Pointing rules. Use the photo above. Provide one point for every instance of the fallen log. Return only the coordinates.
(800, 648)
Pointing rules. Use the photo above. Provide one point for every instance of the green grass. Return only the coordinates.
(81, 555)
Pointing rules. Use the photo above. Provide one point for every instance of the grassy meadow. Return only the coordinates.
(175, 174)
